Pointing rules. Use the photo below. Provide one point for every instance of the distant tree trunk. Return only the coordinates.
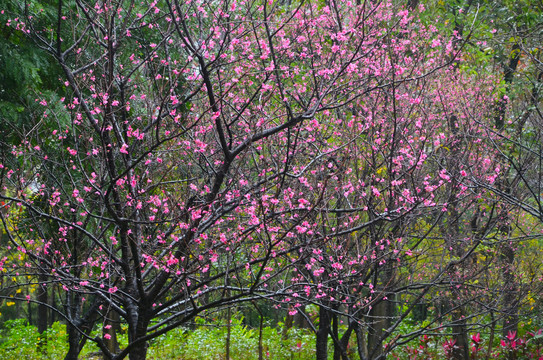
(412, 4)
(381, 313)
(289, 320)
(228, 331)
(29, 313)
(492, 332)
(508, 73)
(510, 321)
(53, 316)
(458, 328)
(43, 311)
(510, 301)
(300, 320)
(260, 329)
(379, 322)
(461, 348)
(111, 326)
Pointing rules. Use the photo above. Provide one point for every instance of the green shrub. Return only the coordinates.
(20, 341)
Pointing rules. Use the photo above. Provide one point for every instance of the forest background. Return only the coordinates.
(261, 179)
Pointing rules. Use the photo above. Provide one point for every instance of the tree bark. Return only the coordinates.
(508, 73)
(322, 334)
(361, 343)
(74, 337)
(73, 343)
(461, 348)
(379, 322)
(139, 351)
(43, 311)
(111, 325)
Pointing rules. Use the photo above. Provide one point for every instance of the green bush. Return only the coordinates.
(20, 341)
(209, 343)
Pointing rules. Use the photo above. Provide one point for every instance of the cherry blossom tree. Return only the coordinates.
(208, 153)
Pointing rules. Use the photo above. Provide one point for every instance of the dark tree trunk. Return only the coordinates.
(322, 333)
(361, 343)
(300, 319)
(412, 4)
(74, 339)
(260, 328)
(43, 312)
(53, 316)
(341, 345)
(508, 73)
(78, 323)
(461, 349)
(289, 320)
(73, 313)
(138, 352)
(228, 331)
(136, 331)
(335, 335)
(382, 313)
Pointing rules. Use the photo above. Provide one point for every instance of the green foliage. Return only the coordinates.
(27, 74)
(209, 343)
(19, 341)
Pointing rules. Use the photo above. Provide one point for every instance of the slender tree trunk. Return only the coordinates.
(228, 331)
(335, 333)
(510, 303)
(53, 313)
(43, 312)
(491, 339)
(300, 320)
(260, 329)
(289, 320)
(508, 73)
